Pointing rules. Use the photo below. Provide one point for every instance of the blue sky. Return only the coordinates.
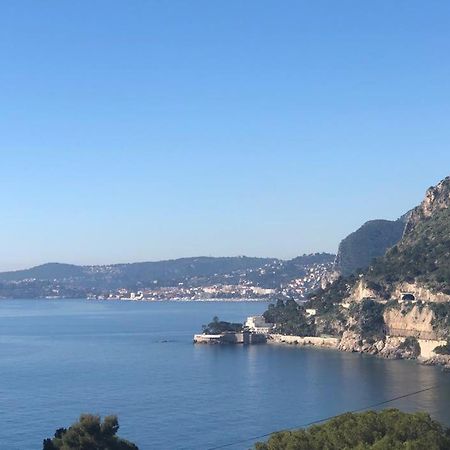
(144, 130)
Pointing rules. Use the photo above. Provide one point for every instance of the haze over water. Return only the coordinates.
(62, 358)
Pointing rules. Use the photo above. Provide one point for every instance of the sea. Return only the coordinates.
(61, 358)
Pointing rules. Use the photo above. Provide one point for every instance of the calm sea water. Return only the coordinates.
(64, 357)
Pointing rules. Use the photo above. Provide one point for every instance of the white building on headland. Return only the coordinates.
(257, 324)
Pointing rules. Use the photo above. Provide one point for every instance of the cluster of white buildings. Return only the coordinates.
(300, 287)
(257, 324)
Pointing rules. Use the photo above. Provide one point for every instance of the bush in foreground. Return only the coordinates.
(390, 429)
(89, 433)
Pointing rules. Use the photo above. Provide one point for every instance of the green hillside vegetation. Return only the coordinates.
(386, 430)
(370, 241)
(89, 433)
(443, 349)
(422, 256)
(219, 326)
(164, 271)
(324, 299)
(369, 321)
(289, 318)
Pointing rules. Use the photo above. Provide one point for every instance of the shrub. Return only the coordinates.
(388, 429)
(89, 433)
(443, 349)
(219, 326)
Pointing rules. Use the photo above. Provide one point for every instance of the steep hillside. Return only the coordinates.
(422, 257)
(400, 306)
(419, 263)
(361, 247)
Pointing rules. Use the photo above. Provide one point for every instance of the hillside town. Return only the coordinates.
(246, 289)
(273, 278)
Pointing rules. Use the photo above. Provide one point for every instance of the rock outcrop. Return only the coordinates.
(370, 241)
(436, 198)
(390, 347)
(360, 291)
(406, 321)
(419, 291)
(399, 307)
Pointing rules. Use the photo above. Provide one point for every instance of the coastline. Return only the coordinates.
(327, 342)
(428, 357)
(147, 300)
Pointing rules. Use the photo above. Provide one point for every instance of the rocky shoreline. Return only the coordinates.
(392, 347)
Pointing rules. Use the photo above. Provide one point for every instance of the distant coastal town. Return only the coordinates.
(246, 290)
(202, 278)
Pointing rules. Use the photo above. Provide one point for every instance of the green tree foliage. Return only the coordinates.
(412, 344)
(443, 349)
(441, 321)
(289, 318)
(219, 326)
(390, 429)
(423, 255)
(89, 433)
(325, 299)
(369, 319)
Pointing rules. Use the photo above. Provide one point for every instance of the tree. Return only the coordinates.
(219, 326)
(289, 318)
(89, 433)
(386, 430)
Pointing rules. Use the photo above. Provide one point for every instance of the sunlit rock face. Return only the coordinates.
(436, 198)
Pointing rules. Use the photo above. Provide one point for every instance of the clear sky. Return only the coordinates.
(145, 130)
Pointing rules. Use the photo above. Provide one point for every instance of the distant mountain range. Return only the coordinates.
(356, 253)
(165, 273)
(66, 280)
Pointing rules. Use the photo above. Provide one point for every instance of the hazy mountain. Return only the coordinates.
(67, 280)
(370, 241)
(164, 272)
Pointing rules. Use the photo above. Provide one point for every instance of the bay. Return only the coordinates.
(60, 358)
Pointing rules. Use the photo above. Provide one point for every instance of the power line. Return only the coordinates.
(314, 422)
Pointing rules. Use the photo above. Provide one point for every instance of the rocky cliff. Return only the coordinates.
(411, 320)
(400, 305)
(420, 262)
(361, 247)
(436, 198)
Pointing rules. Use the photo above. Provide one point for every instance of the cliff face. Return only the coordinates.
(391, 347)
(363, 309)
(415, 322)
(436, 198)
(420, 262)
(420, 291)
(362, 290)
